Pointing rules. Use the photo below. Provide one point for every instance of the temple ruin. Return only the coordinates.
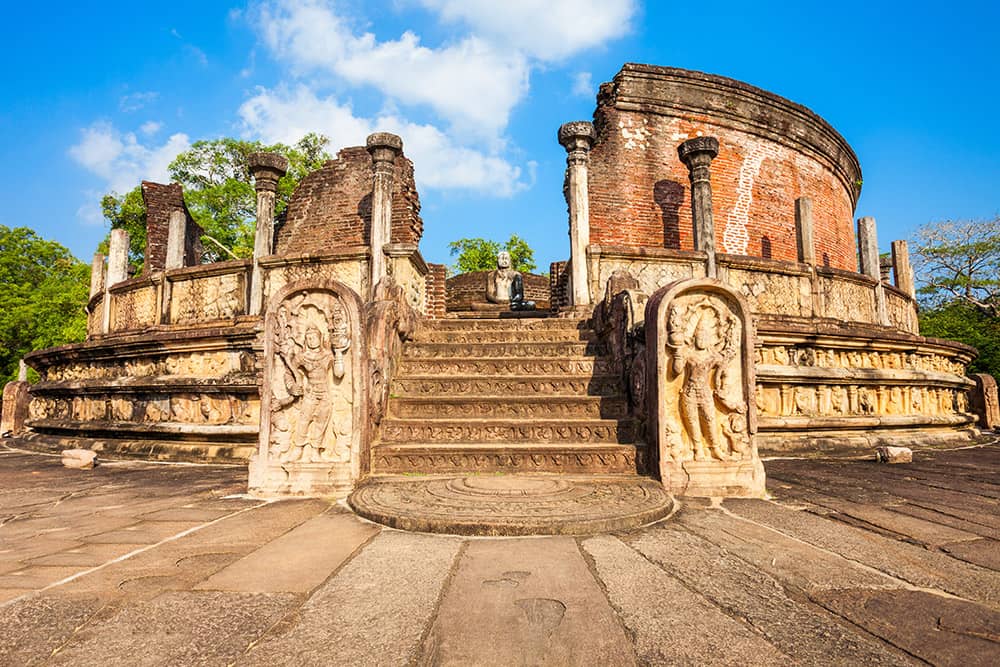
(718, 303)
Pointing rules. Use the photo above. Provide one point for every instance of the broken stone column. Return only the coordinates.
(698, 154)
(804, 230)
(175, 240)
(902, 268)
(266, 169)
(96, 274)
(577, 138)
(384, 148)
(117, 271)
(870, 266)
(14, 409)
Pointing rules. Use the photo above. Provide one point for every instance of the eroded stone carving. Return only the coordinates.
(505, 285)
(701, 412)
(310, 427)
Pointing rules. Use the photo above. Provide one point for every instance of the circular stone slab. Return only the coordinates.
(493, 505)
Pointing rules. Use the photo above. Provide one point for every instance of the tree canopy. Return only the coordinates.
(218, 190)
(957, 265)
(481, 254)
(43, 292)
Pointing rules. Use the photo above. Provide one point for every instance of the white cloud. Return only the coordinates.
(136, 101)
(284, 115)
(583, 84)
(545, 29)
(150, 127)
(120, 161)
(472, 83)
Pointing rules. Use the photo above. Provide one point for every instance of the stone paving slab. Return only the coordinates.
(790, 580)
(525, 602)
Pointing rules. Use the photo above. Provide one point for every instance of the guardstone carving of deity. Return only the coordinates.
(310, 412)
(702, 402)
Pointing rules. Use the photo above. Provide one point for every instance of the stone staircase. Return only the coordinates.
(505, 395)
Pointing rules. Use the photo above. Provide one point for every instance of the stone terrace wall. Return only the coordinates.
(436, 291)
(468, 288)
(772, 151)
(332, 206)
(162, 200)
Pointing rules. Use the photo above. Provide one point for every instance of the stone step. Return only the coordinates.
(539, 387)
(521, 367)
(539, 324)
(508, 407)
(481, 350)
(426, 335)
(577, 458)
(508, 432)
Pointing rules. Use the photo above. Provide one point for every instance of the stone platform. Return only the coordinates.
(506, 505)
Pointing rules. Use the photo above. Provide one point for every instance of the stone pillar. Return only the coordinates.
(577, 138)
(176, 240)
(698, 154)
(804, 230)
(96, 274)
(384, 148)
(22, 371)
(117, 271)
(266, 169)
(902, 268)
(868, 247)
(870, 266)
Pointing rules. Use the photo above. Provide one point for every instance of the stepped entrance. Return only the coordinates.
(508, 426)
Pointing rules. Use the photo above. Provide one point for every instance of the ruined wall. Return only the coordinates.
(436, 292)
(162, 200)
(332, 206)
(771, 151)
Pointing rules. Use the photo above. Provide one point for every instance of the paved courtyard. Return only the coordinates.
(850, 563)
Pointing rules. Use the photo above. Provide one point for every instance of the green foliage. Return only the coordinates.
(43, 292)
(481, 254)
(965, 323)
(218, 190)
(128, 213)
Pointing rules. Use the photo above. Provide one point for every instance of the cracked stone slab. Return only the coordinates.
(525, 602)
(377, 607)
(669, 623)
(37, 625)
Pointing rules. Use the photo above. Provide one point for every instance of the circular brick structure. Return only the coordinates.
(771, 152)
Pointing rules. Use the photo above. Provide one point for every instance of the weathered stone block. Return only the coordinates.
(894, 455)
(82, 459)
(15, 407)
(984, 401)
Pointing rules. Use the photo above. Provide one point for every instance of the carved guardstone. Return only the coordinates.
(702, 420)
(311, 423)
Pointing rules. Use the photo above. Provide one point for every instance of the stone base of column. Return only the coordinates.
(322, 479)
(706, 479)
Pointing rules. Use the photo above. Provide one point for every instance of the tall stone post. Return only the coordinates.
(96, 274)
(384, 148)
(266, 169)
(902, 268)
(578, 138)
(804, 230)
(869, 260)
(176, 240)
(698, 154)
(117, 271)
(22, 371)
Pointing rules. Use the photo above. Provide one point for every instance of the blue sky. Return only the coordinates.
(96, 99)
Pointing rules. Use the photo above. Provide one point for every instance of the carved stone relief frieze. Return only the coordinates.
(209, 298)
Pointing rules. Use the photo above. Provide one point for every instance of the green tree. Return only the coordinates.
(481, 254)
(957, 265)
(43, 292)
(218, 190)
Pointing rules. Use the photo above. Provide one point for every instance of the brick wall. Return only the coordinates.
(771, 152)
(162, 200)
(332, 206)
(436, 300)
(558, 285)
(466, 289)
